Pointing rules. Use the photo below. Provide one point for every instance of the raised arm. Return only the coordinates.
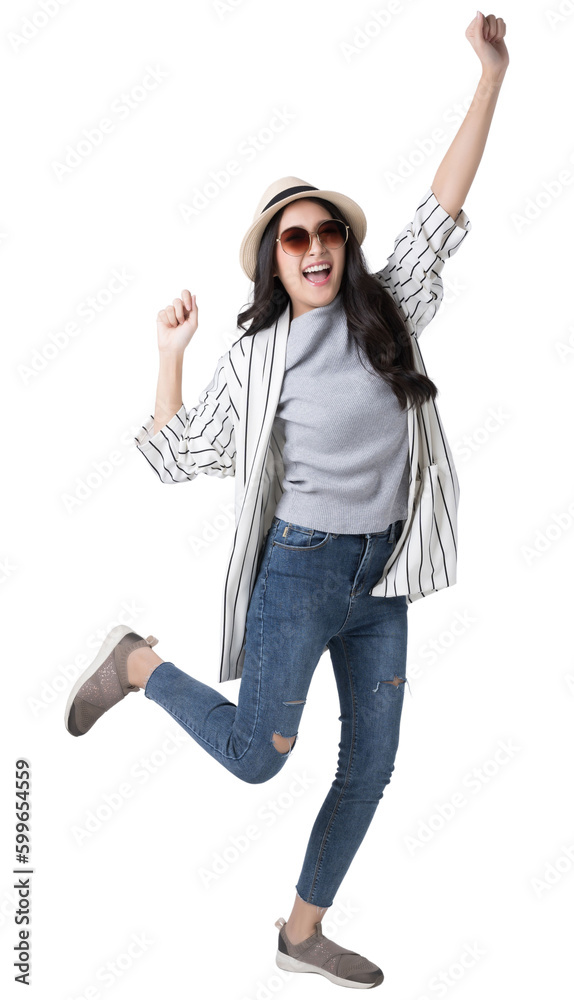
(179, 444)
(460, 162)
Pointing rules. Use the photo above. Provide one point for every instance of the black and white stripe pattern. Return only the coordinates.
(201, 440)
(412, 273)
(230, 432)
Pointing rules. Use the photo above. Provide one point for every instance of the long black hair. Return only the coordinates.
(374, 319)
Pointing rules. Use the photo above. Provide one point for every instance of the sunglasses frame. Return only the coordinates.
(311, 235)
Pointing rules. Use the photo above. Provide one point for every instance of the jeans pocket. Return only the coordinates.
(299, 538)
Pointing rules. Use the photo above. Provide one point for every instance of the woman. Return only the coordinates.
(334, 492)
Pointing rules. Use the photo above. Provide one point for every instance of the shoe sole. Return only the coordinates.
(104, 651)
(290, 964)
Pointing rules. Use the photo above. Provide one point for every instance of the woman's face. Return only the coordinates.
(303, 293)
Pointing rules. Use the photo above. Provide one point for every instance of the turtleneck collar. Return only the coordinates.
(321, 312)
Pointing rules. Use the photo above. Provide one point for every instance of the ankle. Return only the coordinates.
(141, 663)
(297, 932)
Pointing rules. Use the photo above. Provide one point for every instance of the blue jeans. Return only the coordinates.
(311, 593)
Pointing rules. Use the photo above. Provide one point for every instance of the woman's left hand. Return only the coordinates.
(486, 35)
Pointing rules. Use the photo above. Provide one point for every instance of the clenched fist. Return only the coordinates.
(176, 324)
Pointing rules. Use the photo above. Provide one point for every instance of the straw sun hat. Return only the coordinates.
(279, 194)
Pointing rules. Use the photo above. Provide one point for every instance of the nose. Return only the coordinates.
(315, 239)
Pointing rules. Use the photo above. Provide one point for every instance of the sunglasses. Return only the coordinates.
(331, 234)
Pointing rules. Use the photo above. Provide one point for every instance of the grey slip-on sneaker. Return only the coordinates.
(105, 682)
(318, 953)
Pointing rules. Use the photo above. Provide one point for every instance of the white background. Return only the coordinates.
(494, 873)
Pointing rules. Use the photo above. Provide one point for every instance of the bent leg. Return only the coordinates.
(254, 737)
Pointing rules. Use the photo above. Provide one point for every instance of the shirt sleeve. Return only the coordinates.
(412, 273)
(199, 440)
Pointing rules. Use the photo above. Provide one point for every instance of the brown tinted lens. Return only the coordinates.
(332, 234)
(295, 241)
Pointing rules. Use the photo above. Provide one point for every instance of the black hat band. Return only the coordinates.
(287, 193)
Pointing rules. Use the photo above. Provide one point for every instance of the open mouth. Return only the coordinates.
(317, 274)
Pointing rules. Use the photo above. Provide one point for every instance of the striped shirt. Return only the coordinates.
(231, 432)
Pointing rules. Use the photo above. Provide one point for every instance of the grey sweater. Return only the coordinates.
(346, 466)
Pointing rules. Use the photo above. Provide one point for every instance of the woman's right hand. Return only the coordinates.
(176, 324)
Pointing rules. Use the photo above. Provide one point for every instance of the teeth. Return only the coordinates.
(317, 267)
